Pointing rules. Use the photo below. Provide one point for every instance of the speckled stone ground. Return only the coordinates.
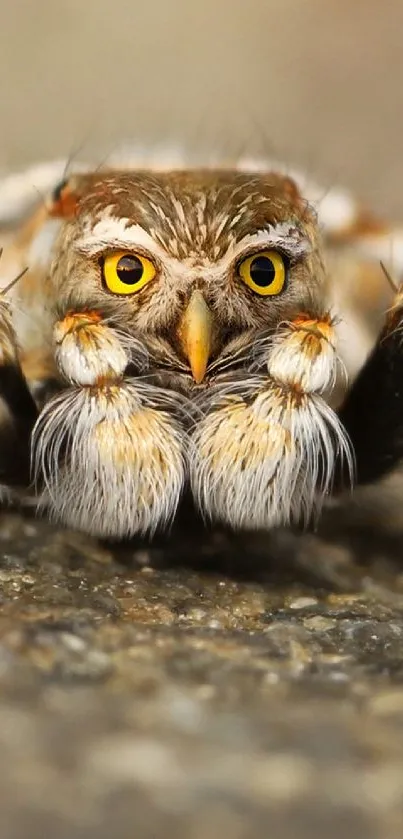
(203, 687)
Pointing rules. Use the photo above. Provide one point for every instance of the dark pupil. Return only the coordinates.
(262, 271)
(129, 269)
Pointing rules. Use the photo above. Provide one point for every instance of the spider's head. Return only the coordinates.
(195, 264)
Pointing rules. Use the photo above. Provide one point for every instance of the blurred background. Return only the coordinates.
(313, 82)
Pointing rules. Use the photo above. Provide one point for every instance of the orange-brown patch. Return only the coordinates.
(65, 203)
(313, 327)
(77, 320)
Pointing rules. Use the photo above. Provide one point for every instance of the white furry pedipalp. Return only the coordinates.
(111, 461)
(303, 354)
(267, 463)
(88, 351)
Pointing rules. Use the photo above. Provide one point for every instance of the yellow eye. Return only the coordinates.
(126, 273)
(265, 273)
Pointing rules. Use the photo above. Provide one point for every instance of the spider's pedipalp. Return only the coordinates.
(108, 450)
(89, 352)
(86, 352)
(269, 459)
(303, 354)
(111, 459)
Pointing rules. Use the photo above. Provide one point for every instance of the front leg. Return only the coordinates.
(108, 449)
(18, 411)
(373, 410)
(266, 452)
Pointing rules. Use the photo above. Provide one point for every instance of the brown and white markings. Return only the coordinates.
(179, 327)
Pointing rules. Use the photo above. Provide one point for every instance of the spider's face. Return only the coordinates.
(196, 265)
(190, 333)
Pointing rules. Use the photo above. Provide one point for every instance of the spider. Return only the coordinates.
(192, 329)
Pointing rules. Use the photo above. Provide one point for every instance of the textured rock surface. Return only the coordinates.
(140, 697)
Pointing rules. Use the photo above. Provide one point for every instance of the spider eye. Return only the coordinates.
(126, 273)
(265, 273)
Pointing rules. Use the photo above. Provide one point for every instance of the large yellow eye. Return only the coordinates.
(264, 273)
(126, 273)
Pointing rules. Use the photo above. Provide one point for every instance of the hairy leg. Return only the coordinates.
(18, 411)
(373, 410)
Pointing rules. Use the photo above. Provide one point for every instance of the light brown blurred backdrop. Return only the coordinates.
(318, 82)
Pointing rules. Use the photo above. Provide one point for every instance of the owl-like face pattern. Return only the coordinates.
(196, 228)
(185, 317)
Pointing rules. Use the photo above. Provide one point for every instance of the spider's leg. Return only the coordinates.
(372, 413)
(18, 411)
